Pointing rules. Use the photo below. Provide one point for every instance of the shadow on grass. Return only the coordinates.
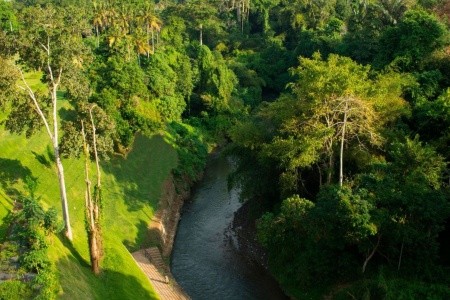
(11, 170)
(5, 226)
(145, 238)
(141, 173)
(122, 286)
(73, 251)
(42, 159)
(81, 283)
(67, 114)
(141, 237)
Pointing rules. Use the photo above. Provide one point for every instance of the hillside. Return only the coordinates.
(132, 186)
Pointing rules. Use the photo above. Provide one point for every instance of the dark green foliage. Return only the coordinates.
(191, 149)
(8, 20)
(216, 84)
(317, 237)
(388, 287)
(411, 206)
(31, 225)
(155, 67)
(407, 44)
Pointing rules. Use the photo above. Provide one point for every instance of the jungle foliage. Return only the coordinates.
(337, 111)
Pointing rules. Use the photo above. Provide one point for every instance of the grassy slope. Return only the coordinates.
(131, 189)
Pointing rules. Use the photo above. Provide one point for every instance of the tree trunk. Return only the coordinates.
(330, 162)
(53, 86)
(400, 257)
(153, 42)
(97, 194)
(147, 30)
(63, 195)
(96, 34)
(341, 154)
(369, 257)
(94, 251)
(201, 34)
(320, 174)
(92, 226)
(59, 165)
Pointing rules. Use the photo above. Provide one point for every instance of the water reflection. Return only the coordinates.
(204, 260)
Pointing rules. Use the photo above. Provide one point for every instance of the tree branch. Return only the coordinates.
(35, 102)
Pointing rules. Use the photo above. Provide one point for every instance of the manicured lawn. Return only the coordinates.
(131, 188)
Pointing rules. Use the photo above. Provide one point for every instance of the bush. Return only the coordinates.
(31, 226)
(14, 290)
(191, 149)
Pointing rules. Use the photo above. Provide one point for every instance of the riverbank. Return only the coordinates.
(205, 260)
(164, 224)
(244, 227)
(162, 230)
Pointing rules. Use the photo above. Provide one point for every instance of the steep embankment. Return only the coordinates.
(132, 187)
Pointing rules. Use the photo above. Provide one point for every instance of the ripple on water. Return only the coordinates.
(204, 260)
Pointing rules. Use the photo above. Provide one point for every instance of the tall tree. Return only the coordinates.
(334, 106)
(48, 40)
(93, 201)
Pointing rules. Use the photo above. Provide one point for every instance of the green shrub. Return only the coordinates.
(192, 150)
(32, 224)
(14, 290)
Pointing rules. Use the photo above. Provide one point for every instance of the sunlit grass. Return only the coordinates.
(131, 189)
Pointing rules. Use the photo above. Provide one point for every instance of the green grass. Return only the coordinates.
(131, 188)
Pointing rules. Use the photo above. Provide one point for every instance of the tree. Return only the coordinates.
(151, 23)
(409, 203)
(48, 40)
(331, 103)
(309, 242)
(93, 202)
(334, 108)
(421, 33)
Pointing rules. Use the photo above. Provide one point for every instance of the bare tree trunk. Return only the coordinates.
(147, 30)
(369, 257)
(92, 223)
(59, 165)
(201, 34)
(341, 154)
(153, 42)
(330, 161)
(320, 174)
(97, 164)
(242, 17)
(400, 257)
(63, 195)
(54, 82)
(96, 34)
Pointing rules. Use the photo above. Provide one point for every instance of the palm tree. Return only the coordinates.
(98, 19)
(151, 23)
(141, 45)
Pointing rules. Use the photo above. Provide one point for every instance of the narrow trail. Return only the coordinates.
(152, 264)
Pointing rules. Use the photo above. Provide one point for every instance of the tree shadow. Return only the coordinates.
(139, 174)
(130, 287)
(11, 171)
(145, 238)
(42, 159)
(67, 114)
(110, 284)
(5, 225)
(68, 244)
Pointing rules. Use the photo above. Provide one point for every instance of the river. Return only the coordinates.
(205, 261)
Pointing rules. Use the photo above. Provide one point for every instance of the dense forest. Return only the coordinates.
(337, 111)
